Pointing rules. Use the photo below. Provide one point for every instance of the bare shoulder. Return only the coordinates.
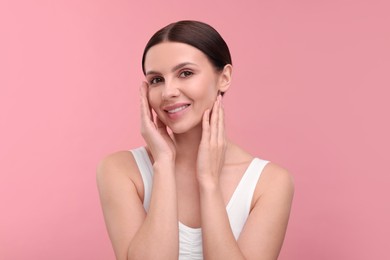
(115, 162)
(275, 180)
(116, 168)
(275, 174)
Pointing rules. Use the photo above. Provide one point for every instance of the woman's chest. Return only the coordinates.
(188, 194)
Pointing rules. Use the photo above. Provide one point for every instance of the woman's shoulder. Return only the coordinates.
(274, 177)
(273, 169)
(275, 174)
(119, 166)
(116, 161)
(275, 183)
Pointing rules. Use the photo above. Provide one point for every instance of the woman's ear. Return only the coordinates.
(225, 78)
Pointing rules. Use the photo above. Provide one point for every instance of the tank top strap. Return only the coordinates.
(239, 205)
(146, 169)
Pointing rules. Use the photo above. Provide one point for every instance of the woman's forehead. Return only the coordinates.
(166, 55)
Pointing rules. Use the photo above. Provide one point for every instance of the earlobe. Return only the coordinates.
(225, 78)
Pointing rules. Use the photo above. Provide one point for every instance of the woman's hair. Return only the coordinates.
(197, 34)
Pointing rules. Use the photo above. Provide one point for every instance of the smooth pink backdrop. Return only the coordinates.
(310, 92)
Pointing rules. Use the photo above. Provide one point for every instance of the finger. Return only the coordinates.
(145, 111)
(150, 108)
(161, 127)
(214, 122)
(206, 126)
(221, 122)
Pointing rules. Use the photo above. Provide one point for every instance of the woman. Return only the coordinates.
(191, 193)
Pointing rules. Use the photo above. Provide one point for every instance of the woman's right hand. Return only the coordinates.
(155, 133)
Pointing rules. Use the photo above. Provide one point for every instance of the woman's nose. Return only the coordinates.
(170, 90)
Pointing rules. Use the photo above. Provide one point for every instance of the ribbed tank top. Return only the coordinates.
(190, 239)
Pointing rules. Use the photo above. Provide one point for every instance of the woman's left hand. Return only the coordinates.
(212, 148)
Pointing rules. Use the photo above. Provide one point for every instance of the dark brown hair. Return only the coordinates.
(197, 34)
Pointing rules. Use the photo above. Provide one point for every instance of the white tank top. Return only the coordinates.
(190, 239)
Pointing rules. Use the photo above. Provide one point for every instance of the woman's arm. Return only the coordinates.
(135, 235)
(158, 237)
(217, 236)
(263, 233)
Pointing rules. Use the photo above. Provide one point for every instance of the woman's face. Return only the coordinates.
(182, 84)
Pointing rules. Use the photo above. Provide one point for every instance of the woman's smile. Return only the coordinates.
(176, 111)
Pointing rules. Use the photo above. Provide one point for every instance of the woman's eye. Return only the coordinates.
(155, 80)
(185, 74)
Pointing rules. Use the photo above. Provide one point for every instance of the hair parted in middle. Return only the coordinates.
(197, 34)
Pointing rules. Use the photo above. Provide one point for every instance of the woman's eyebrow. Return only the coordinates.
(181, 65)
(178, 66)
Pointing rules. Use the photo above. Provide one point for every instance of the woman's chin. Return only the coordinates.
(178, 130)
(184, 128)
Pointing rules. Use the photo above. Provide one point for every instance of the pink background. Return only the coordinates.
(310, 92)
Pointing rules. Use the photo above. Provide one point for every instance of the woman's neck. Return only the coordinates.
(187, 145)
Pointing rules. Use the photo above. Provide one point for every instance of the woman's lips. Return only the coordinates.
(176, 110)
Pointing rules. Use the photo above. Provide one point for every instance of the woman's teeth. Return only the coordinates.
(177, 109)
